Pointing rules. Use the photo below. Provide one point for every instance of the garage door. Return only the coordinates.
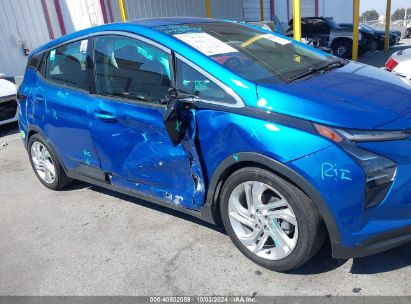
(308, 8)
(252, 10)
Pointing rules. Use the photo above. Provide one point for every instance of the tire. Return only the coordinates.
(43, 159)
(373, 45)
(304, 239)
(362, 51)
(342, 48)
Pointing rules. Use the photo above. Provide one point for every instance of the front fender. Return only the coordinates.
(243, 159)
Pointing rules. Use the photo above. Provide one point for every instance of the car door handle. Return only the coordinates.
(105, 116)
(39, 98)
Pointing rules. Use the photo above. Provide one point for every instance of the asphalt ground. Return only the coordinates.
(379, 58)
(89, 241)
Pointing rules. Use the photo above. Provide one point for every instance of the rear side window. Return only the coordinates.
(191, 82)
(131, 69)
(67, 65)
(35, 60)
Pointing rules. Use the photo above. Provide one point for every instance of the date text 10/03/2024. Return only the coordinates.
(202, 299)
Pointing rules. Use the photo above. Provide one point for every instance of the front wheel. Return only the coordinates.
(270, 220)
(342, 48)
(373, 45)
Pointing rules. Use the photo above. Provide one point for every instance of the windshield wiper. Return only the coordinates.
(330, 65)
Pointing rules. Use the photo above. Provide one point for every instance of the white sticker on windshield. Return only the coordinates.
(52, 55)
(83, 46)
(277, 39)
(206, 43)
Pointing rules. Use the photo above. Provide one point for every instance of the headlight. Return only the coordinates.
(367, 136)
(379, 171)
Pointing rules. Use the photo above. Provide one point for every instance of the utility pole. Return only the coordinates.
(405, 13)
(355, 29)
(297, 19)
(387, 26)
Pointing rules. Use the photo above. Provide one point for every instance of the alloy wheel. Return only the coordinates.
(263, 220)
(341, 51)
(43, 162)
(374, 46)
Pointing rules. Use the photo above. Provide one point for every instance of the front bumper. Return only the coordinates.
(362, 231)
(8, 109)
(373, 245)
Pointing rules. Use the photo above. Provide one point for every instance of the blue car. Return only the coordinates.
(282, 143)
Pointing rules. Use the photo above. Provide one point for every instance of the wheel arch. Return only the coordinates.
(31, 133)
(251, 159)
(36, 130)
(338, 39)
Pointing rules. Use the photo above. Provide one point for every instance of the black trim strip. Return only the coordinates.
(94, 173)
(78, 176)
(253, 112)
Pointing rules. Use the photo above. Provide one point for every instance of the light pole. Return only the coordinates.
(355, 29)
(387, 26)
(297, 19)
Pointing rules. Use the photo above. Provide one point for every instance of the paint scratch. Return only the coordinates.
(145, 136)
(55, 114)
(178, 124)
(178, 200)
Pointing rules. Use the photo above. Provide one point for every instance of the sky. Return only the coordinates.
(379, 5)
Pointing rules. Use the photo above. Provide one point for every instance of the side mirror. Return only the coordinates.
(176, 118)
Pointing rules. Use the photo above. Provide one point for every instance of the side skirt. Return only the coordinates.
(205, 216)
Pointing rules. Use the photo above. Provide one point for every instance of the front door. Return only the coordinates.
(135, 150)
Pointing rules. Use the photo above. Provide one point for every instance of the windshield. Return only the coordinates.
(254, 55)
(367, 27)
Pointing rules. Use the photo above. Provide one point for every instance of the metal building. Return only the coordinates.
(27, 24)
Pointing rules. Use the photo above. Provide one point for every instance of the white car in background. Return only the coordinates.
(400, 64)
(8, 101)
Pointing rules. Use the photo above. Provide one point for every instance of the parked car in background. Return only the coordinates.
(372, 43)
(407, 32)
(268, 26)
(395, 36)
(8, 101)
(148, 108)
(398, 33)
(326, 34)
(400, 64)
(273, 25)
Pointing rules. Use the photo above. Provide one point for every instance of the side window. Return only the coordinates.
(192, 82)
(67, 65)
(132, 69)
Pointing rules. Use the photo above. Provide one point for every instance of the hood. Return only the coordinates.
(342, 31)
(382, 33)
(355, 96)
(7, 88)
(404, 54)
(403, 58)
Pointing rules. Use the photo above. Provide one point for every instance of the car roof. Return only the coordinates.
(259, 22)
(154, 22)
